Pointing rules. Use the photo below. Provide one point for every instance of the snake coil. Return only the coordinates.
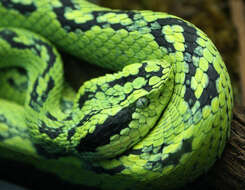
(159, 121)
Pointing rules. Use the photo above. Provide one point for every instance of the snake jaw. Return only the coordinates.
(112, 124)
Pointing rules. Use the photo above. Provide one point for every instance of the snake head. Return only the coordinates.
(117, 110)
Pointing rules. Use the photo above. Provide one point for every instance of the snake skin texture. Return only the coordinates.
(158, 122)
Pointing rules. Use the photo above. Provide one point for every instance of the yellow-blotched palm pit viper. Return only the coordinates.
(159, 121)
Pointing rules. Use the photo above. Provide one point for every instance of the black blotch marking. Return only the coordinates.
(50, 116)
(85, 97)
(88, 95)
(37, 100)
(21, 71)
(102, 133)
(134, 152)
(22, 87)
(68, 118)
(212, 73)
(159, 36)
(87, 117)
(52, 56)
(50, 86)
(139, 152)
(50, 131)
(174, 158)
(34, 97)
(23, 9)
(161, 148)
(116, 26)
(210, 91)
(71, 133)
(189, 93)
(11, 82)
(156, 165)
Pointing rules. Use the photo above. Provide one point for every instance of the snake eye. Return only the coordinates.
(142, 102)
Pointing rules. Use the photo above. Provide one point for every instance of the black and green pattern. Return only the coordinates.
(160, 121)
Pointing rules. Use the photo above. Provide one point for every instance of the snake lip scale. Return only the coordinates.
(159, 121)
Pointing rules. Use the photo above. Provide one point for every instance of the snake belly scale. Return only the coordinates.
(161, 120)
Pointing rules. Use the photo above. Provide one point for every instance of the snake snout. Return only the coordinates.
(130, 105)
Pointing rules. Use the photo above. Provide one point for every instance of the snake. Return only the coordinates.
(159, 120)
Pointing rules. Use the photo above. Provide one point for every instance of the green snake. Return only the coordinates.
(159, 121)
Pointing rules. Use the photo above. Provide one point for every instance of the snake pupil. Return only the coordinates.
(142, 102)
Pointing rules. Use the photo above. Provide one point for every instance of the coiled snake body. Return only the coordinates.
(159, 122)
